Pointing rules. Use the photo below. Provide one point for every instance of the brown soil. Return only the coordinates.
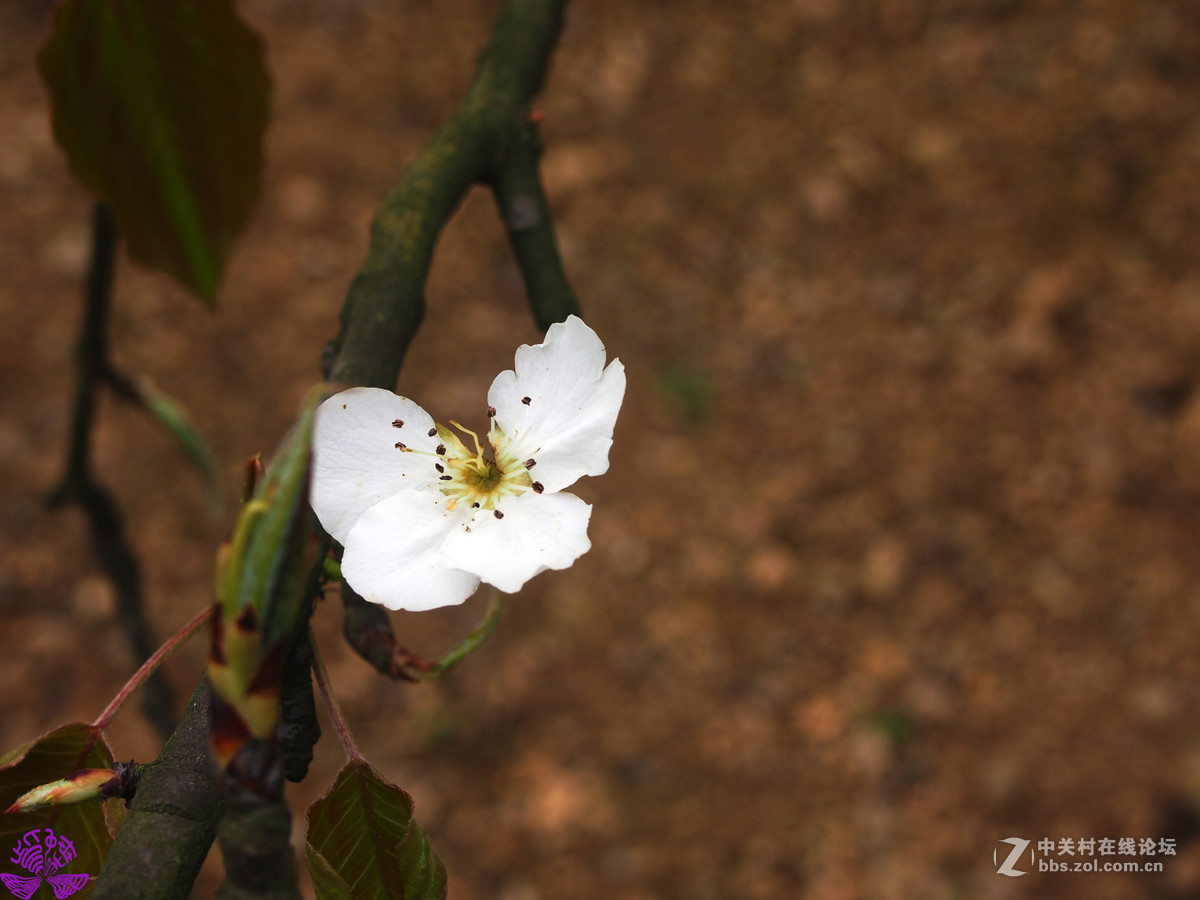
(896, 557)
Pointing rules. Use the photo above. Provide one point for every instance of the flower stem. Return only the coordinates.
(426, 670)
(335, 710)
(173, 643)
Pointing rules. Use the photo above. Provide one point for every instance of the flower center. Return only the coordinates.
(481, 480)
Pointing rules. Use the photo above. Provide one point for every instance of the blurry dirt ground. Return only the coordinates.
(897, 554)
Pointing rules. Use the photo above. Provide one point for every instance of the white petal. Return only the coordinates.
(567, 424)
(355, 459)
(537, 532)
(392, 553)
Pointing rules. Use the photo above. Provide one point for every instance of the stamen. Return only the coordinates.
(478, 449)
(482, 477)
(397, 423)
(526, 400)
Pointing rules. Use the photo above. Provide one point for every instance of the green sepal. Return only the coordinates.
(263, 577)
(272, 554)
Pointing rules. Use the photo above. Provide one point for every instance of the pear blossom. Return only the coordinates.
(425, 513)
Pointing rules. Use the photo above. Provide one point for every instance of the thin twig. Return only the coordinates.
(161, 655)
(107, 528)
(345, 737)
(172, 819)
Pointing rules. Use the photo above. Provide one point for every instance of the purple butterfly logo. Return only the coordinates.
(42, 853)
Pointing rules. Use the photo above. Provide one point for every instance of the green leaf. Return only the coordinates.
(160, 108)
(276, 561)
(327, 884)
(363, 842)
(173, 417)
(53, 756)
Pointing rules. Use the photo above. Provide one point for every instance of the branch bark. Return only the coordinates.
(490, 131)
(525, 212)
(172, 820)
(490, 139)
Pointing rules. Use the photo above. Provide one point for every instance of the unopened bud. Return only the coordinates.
(85, 784)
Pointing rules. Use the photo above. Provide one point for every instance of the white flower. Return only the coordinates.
(424, 517)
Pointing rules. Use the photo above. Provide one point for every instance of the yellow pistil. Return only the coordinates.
(480, 479)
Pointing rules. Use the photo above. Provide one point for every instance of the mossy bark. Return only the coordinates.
(172, 820)
(490, 132)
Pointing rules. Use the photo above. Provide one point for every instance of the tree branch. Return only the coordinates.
(491, 138)
(386, 301)
(381, 314)
(172, 820)
(107, 528)
(517, 186)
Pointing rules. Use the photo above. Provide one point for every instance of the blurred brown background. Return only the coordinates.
(896, 555)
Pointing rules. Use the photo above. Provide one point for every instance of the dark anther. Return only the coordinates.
(432, 432)
(498, 514)
(491, 411)
(397, 423)
(441, 449)
(439, 467)
(400, 446)
(446, 478)
(526, 400)
(530, 463)
(537, 487)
